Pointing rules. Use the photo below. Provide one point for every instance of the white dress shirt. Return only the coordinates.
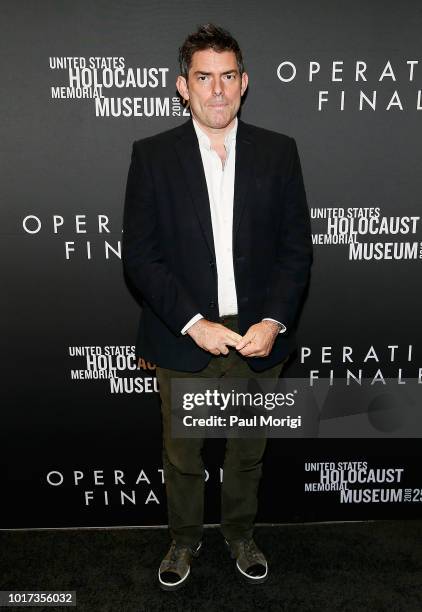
(220, 185)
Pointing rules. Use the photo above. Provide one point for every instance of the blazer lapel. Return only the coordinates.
(245, 155)
(187, 148)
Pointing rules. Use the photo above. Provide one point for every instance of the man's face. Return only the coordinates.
(214, 88)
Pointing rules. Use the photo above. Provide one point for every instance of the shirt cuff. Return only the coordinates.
(283, 327)
(191, 322)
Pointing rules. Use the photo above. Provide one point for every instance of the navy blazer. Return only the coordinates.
(168, 248)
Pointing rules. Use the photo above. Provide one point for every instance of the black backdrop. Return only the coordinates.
(345, 82)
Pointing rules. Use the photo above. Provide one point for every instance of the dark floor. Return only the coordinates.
(327, 567)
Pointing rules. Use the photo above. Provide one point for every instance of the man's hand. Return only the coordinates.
(259, 339)
(213, 337)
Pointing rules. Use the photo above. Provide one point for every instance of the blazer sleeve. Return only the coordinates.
(291, 268)
(141, 253)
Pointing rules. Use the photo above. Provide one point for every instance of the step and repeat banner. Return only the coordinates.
(80, 418)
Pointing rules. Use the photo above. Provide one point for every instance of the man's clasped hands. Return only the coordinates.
(216, 338)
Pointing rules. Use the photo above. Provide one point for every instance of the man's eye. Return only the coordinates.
(202, 77)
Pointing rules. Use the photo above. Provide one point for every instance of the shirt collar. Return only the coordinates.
(204, 140)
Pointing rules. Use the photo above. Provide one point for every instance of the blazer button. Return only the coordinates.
(212, 304)
(212, 264)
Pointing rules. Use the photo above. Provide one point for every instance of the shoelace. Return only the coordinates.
(251, 552)
(174, 551)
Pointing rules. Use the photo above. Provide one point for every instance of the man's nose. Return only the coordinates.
(218, 88)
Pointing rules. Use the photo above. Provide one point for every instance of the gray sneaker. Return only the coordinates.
(175, 567)
(251, 563)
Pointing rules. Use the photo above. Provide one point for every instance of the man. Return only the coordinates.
(217, 245)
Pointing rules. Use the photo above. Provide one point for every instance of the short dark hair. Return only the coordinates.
(208, 36)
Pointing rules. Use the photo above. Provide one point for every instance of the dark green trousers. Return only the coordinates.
(184, 468)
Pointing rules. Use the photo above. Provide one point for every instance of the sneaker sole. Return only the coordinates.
(165, 586)
(249, 579)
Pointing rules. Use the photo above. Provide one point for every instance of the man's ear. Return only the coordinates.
(182, 87)
(244, 86)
